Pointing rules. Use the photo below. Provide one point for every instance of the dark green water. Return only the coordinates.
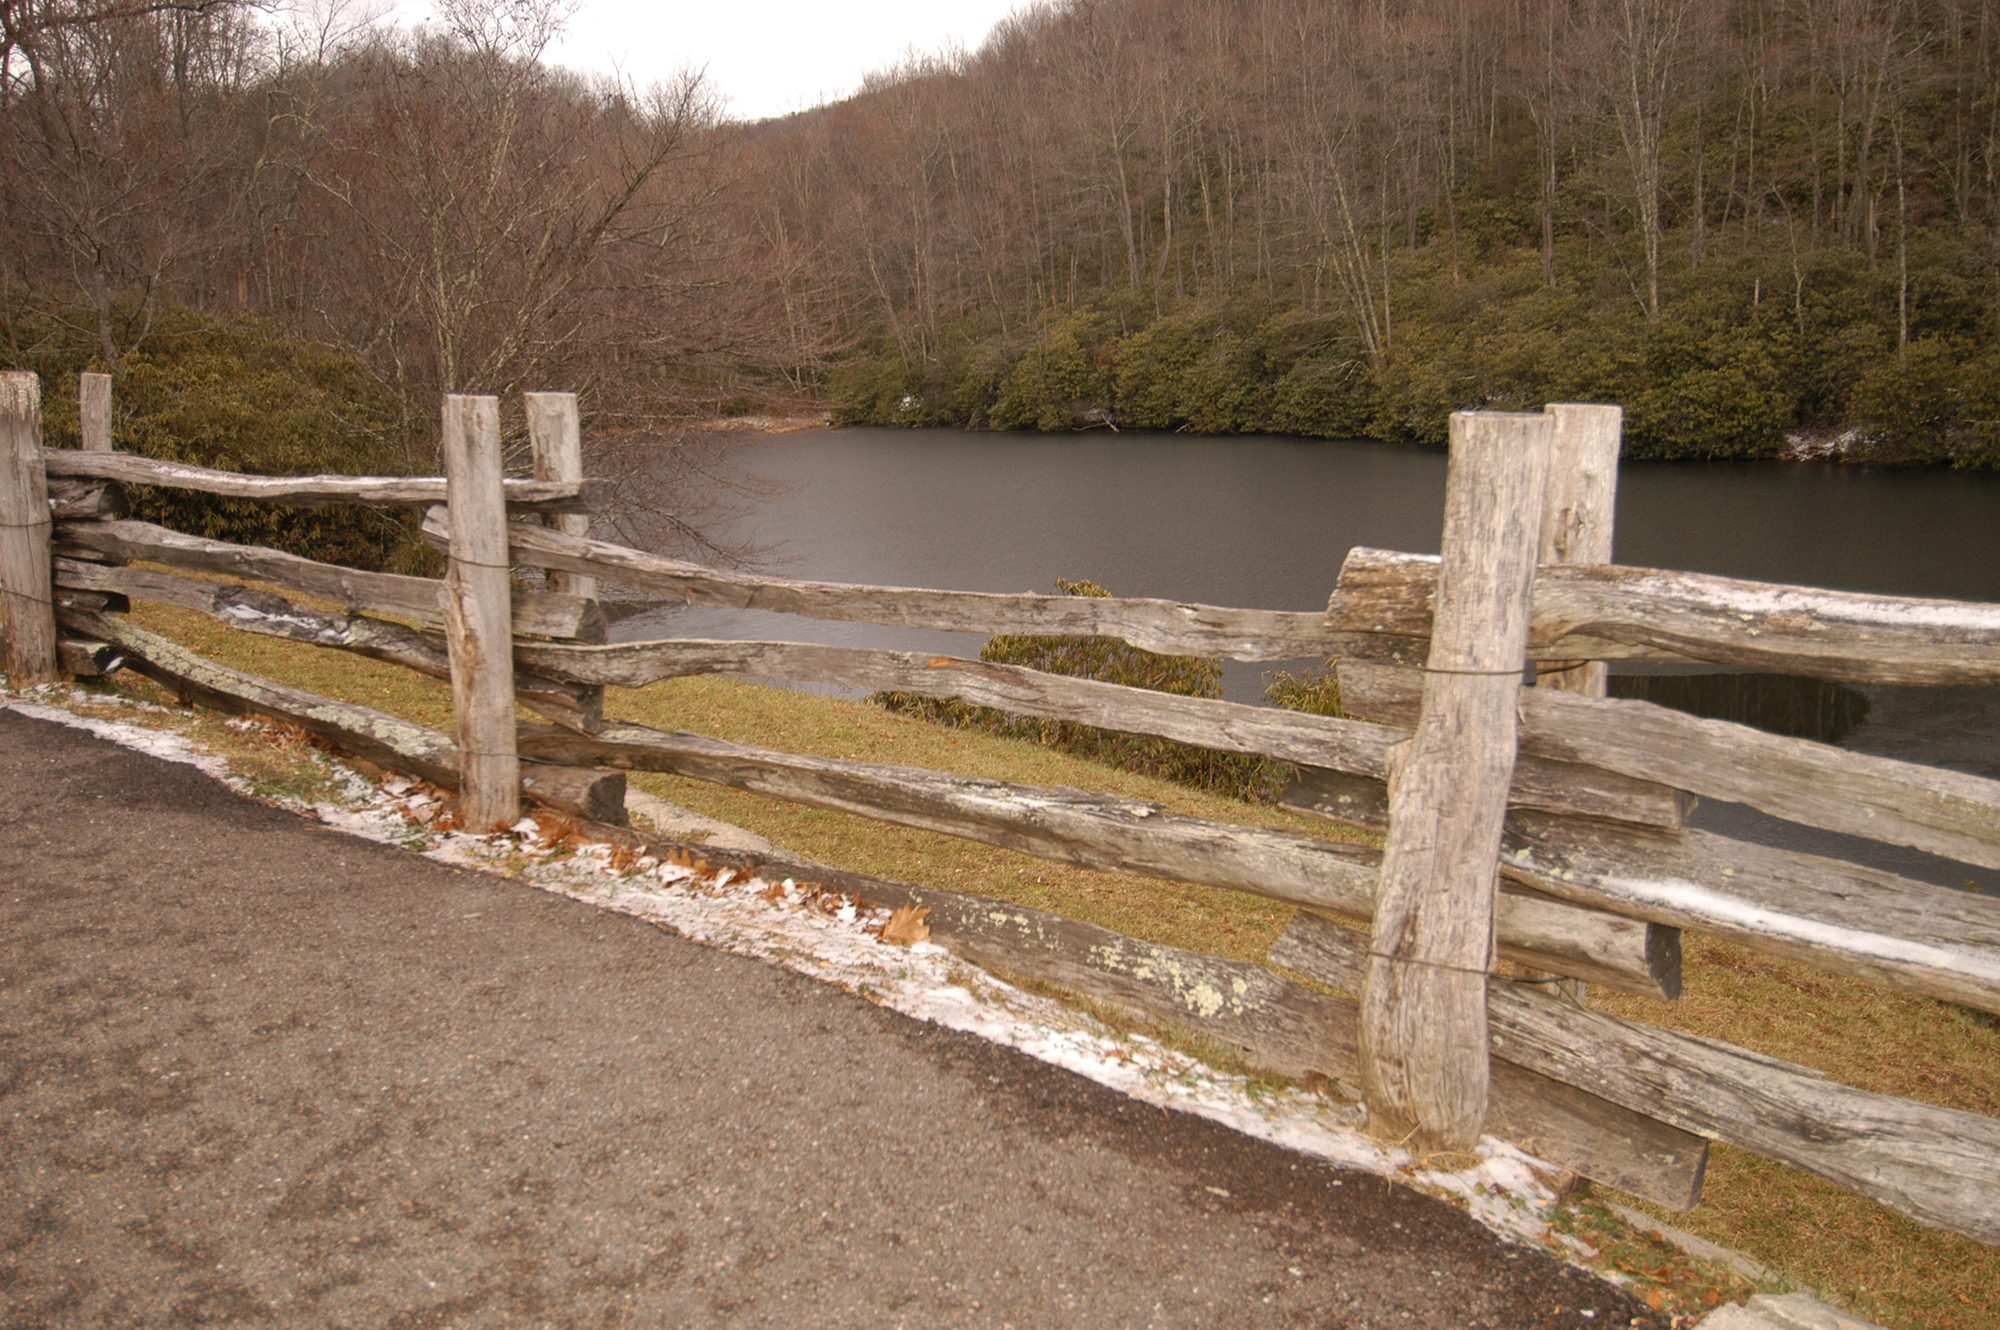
(1266, 521)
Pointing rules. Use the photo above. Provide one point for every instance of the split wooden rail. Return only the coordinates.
(1535, 838)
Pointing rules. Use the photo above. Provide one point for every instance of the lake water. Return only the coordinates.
(1266, 521)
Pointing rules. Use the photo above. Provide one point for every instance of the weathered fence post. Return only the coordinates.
(556, 436)
(1423, 1000)
(1577, 524)
(555, 433)
(478, 614)
(1577, 520)
(93, 405)
(27, 587)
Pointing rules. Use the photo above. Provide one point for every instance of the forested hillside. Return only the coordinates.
(1744, 219)
(1741, 218)
(441, 211)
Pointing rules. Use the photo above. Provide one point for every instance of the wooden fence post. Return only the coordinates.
(1577, 524)
(27, 586)
(478, 614)
(556, 435)
(1423, 999)
(1577, 520)
(93, 404)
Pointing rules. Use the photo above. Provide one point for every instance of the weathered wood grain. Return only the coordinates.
(478, 631)
(1938, 1165)
(1949, 813)
(555, 435)
(1287, 736)
(1578, 513)
(1294, 1030)
(27, 616)
(271, 615)
(1828, 913)
(88, 660)
(1423, 998)
(1603, 948)
(311, 491)
(1154, 625)
(87, 500)
(1095, 831)
(1616, 613)
(373, 736)
(538, 612)
(93, 408)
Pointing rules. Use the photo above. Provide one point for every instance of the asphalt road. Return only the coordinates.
(255, 1072)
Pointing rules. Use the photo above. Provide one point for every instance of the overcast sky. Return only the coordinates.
(766, 57)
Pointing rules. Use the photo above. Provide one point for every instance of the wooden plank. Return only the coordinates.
(1601, 948)
(555, 436)
(1938, 1165)
(1828, 913)
(477, 629)
(1287, 736)
(87, 500)
(27, 614)
(1423, 1000)
(93, 408)
(1297, 1031)
(1095, 831)
(1153, 625)
(1616, 613)
(1949, 813)
(539, 612)
(264, 612)
(1578, 513)
(373, 736)
(312, 491)
(88, 660)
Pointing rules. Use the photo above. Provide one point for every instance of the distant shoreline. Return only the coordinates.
(764, 424)
(1827, 446)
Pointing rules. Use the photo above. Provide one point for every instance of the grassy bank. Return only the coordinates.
(1884, 1267)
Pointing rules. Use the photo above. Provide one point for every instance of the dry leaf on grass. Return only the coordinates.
(906, 927)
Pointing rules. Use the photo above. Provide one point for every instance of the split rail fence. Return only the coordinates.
(1535, 838)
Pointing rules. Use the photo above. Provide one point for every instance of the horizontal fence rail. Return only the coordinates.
(1948, 813)
(1103, 831)
(1358, 747)
(1152, 625)
(549, 496)
(1938, 1164)
(539, 613)
(1612, 613)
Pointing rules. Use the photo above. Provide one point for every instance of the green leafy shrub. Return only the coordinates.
(1108, 660)
(228, 393)
(1316, 691)
(1060, 381)
(1940, 399)
(1713, 388)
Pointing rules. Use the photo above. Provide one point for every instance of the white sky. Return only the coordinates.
(765, 57)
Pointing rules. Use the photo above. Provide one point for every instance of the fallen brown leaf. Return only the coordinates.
(906, 927)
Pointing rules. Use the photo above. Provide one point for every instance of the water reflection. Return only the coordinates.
(1816, 709)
